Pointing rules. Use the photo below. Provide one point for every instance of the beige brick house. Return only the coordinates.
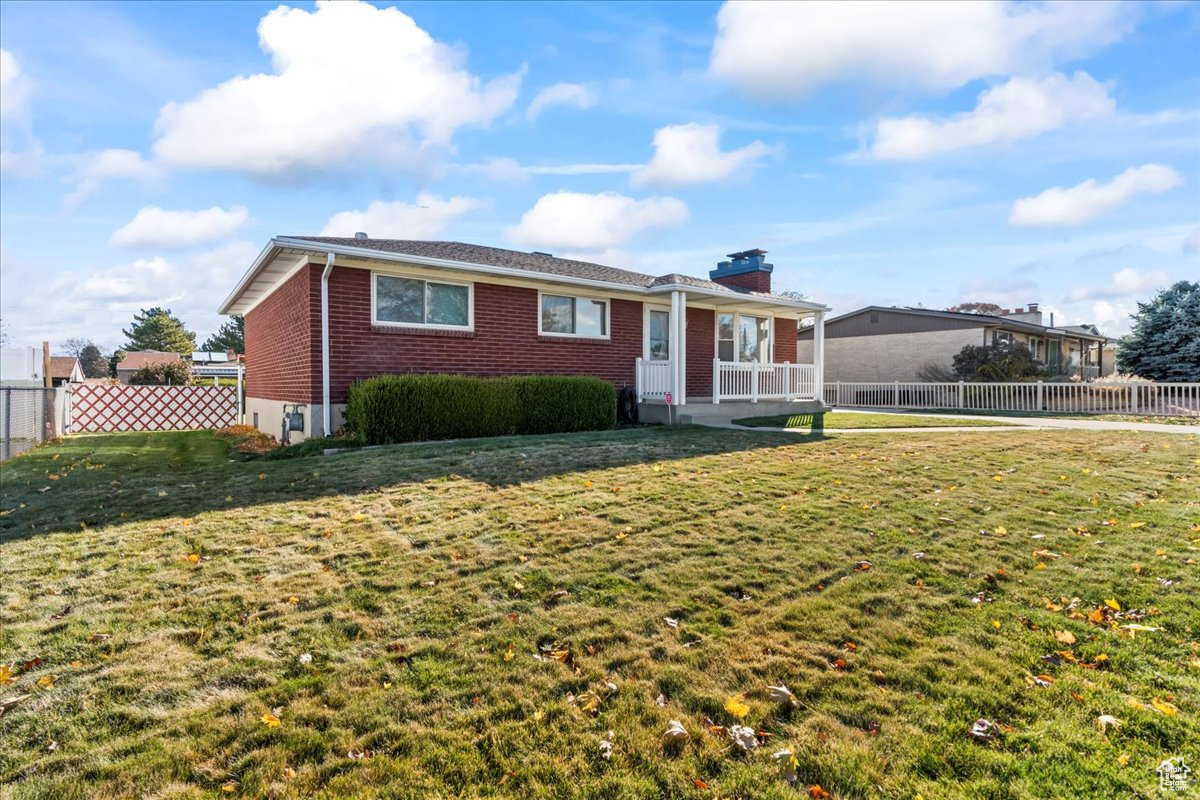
(877, 343)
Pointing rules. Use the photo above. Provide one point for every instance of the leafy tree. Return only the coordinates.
(175, 373)
(157, 329)
(1164, 344)
(230, 336)
(976, 308)
(113, 360)
(1006, 361)
(92, 361)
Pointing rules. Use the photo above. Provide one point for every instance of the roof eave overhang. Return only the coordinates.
(280, 242)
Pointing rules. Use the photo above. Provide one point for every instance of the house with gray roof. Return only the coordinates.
(881, 344)
(322, 312)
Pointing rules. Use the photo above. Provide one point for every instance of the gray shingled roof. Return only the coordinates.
(515, 259)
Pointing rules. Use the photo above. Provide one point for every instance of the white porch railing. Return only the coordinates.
(653, 379)
(1158, 399)
(753, 381)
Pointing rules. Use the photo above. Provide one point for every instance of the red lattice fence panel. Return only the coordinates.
(96, 407)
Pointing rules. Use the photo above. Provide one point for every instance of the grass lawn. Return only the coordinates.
(833, 421)
(474, 620)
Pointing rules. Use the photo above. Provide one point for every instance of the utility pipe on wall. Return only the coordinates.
(326, 413)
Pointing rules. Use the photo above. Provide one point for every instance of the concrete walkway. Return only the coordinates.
(1011, 424)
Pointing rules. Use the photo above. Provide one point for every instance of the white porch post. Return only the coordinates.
(674, 346)
(682, 336)
(819, 355)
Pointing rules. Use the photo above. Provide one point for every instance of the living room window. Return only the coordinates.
(397, 300)
(567, 315)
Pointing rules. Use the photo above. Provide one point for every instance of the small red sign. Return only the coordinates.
(668, 398)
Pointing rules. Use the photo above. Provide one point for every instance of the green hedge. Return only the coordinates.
(416, 408)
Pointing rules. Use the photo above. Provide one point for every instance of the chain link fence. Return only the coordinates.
(27, 418)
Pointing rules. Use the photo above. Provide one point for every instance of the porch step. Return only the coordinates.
(724, 413)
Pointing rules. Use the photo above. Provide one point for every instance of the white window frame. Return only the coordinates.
(425, 326)
(737, 322)
(646, 309)
(607, 335)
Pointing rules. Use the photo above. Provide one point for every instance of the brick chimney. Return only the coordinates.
(744, 270)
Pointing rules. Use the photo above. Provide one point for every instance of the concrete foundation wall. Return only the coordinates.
(270, 418)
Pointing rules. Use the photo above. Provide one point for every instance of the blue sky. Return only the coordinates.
(891, 154)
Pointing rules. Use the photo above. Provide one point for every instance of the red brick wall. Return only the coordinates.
(505, 340)
(757, 281)
(701, 343)
(785, 340)
(283, 341)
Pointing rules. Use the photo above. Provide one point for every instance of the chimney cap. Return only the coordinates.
(360, 235)
(747, 254)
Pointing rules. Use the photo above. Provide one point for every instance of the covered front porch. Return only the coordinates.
(707, 348)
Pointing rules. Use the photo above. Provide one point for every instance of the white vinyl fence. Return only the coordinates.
(1156, 399)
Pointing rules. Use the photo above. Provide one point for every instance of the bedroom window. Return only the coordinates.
(412, 301)
(565, 315)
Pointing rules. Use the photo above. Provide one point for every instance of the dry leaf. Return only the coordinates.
(1123, 759)
(781, 694)
(737, 706)
(1134, 628)
(788, 763)
(699, 784)
(589, 702)
(510, 652)
(671, 622)
(981, 728)
(8, 703)
(1106, 720)
(675, 731)
(817, 793)
(270, 720)
(6, 675)
(743, 737)
(1163, 706)
(1066, 637)
(46, 681)
(1113, 604)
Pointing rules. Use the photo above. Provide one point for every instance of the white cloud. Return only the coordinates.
(350, 82)
(1088, 200)
(509, 170)
(1125, 284)
(561, 94)
(425, 219)
(788, 50)
(1020, 108)
(15, 88)
(154, 227)
(96, 168)
(1192, 243)
(97, 301)
(595, 221)
(20, 154)
(691, 153)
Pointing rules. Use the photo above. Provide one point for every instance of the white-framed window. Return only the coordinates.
(743, 337)
(570, 315)
(418, 302)
(658, 334)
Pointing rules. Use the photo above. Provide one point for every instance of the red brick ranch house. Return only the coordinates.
(323, 312)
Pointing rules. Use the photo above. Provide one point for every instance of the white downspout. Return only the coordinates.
(326, 413)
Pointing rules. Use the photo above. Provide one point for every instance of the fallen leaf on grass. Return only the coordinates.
(270, 720)
(981, 728)
(589, 702)
(781, 694)
(1164, 707)
(229, 788)
(1134, 628)
(1039, 680)
(743, 737)
(8, 703)
(863, 566)
(1113, 604)
(788, 764)
(6, 675)
(699, 784)
(1066, 637)
(606, 746)
(675, 731)
(671, 622)
(737, 706)
(815, 791)
(510, 653)
(1105, 720)
(47, 680)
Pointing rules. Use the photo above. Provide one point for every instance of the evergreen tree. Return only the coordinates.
(1164, 344)
(92, 362)
(157, 329)
(230, 336)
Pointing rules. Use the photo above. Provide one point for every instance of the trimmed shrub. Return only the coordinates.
(561, 404)
(416, 408)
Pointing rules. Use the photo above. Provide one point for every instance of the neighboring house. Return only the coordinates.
(421, 306)
(876, 343)
(216, 364)
(65, 369)
(137, 359)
